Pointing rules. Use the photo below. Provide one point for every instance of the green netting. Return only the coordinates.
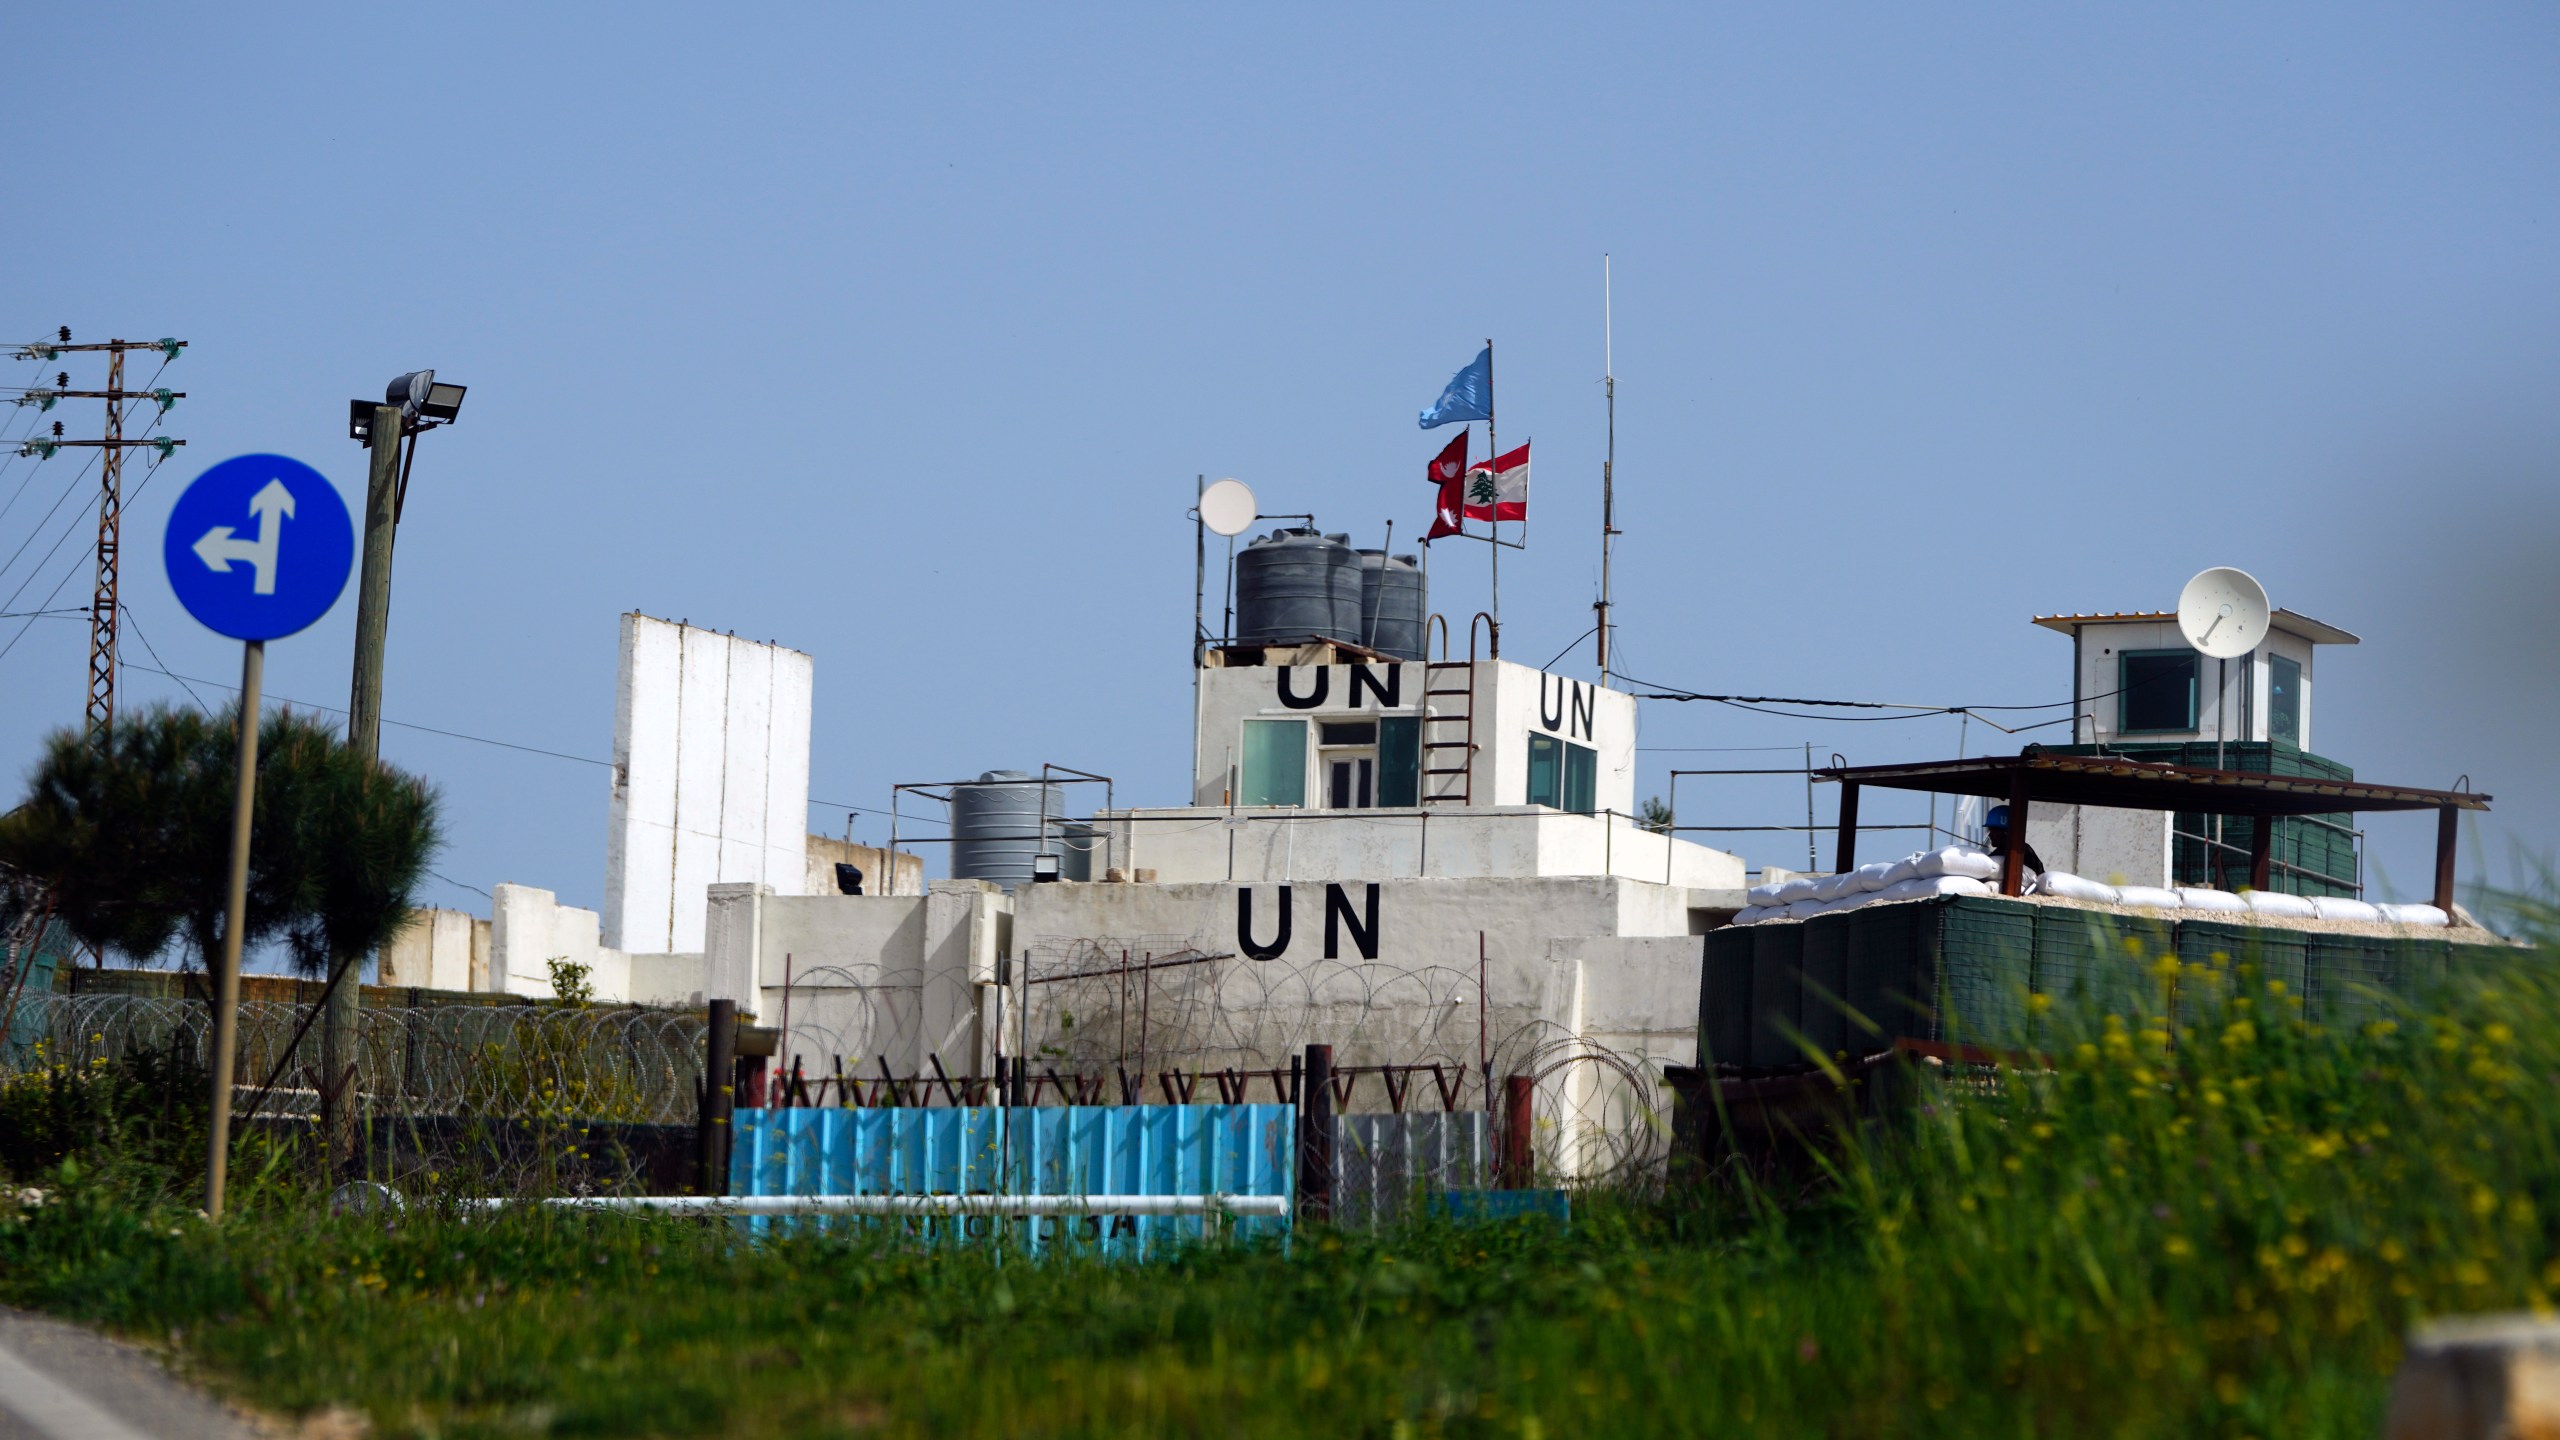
(1777, 962)
(2476, 960)
(1980, 954)
(2275, 956)
(1826, 981)
(2095, 962)
(1724, 998)
(2352, 979)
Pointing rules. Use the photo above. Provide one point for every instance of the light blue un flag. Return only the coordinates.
(1469, 396)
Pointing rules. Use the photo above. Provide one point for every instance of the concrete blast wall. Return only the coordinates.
(710, 779)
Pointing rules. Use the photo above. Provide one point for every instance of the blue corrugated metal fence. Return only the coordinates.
(1080, 1150)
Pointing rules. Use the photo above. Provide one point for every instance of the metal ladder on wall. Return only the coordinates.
(1438, 742)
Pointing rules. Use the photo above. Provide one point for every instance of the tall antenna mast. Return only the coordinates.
(1608, 466)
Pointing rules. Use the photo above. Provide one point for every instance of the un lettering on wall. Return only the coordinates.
(710, 779)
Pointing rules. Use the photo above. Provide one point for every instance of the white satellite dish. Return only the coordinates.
(1227, 507)
(2224, 612)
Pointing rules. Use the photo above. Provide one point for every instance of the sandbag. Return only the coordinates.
(1832, 887)
(1955, 860)
(1765, 894)
(1871, 877)
(1751, 914)
(2073, 887)
(1906, 868)
(2339, 907)
(1953, 885)
(2269, 902)
(2427, 915)
(2222, 900)
(1805, 909)
(2147, 897)
(1800, 888)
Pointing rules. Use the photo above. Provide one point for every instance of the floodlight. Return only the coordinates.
(443, 402)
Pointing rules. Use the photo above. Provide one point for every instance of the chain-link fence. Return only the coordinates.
(516, 1064)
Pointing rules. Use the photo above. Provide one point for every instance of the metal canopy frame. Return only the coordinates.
(2021, 780)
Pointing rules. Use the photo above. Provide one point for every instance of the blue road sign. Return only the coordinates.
(259, 547)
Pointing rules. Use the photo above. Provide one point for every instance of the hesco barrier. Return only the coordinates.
(1724, 996)
(1960, 970)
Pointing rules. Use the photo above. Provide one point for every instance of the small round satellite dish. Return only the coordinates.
(2224, 612)
(1227, 507)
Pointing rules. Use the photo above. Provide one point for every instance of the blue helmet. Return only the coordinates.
(1997, 819)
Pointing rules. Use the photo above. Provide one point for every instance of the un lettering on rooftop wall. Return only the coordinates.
(710, 779)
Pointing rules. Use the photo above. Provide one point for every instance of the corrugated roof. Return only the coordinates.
(2143, 785)
(2318, 632)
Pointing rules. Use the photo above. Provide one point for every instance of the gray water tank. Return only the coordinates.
(995, 826)
(1392, 604)
(1297, 585)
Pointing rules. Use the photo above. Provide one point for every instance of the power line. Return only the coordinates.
(814, 802)
(154, 652)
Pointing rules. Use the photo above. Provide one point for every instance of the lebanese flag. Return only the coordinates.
(1498, 489)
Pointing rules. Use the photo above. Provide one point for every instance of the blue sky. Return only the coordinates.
(898, 336)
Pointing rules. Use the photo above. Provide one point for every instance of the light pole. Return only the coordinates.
(412, 404)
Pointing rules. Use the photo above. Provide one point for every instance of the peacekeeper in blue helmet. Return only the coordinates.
(1997, 839)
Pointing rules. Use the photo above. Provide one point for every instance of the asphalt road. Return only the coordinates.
(60, 1382)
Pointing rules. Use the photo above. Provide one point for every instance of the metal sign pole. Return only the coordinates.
(226, 993)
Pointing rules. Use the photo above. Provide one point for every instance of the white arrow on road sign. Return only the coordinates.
(217, 549)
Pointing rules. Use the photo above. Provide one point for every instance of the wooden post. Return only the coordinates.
(2262, 851)
(1847, 859)
(1315, 1135)
(1518, 1166)
(2448, 831)
(711, 1119)
(2013, 865)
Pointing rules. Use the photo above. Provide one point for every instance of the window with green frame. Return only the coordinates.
(2284, 700)
(1399, 760)
(1563, 775)
(2156, 691)
(1275, 763)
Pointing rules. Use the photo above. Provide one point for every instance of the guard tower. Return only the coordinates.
(2140, 690)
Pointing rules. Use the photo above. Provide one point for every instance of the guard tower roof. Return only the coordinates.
(2318, 632)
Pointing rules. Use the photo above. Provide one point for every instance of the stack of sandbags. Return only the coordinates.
(2223, 902)
(1953, 870)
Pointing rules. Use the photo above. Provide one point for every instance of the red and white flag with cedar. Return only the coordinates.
(1498, 489)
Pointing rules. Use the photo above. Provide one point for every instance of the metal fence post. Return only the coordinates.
(1315, 1135)
(1517, 1168)
(711, 1123)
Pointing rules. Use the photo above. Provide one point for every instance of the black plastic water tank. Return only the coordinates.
(1297, 585)
(1392, 604)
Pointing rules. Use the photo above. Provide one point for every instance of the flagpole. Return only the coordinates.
(1493, 457)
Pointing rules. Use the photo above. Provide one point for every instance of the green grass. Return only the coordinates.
(2218, 1227)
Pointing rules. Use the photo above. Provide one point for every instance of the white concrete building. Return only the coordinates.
(2137, 682)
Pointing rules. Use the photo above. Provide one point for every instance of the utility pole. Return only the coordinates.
(411, 405)
(364, 736)
(101, 704)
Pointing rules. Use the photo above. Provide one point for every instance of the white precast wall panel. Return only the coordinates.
(711, 779)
